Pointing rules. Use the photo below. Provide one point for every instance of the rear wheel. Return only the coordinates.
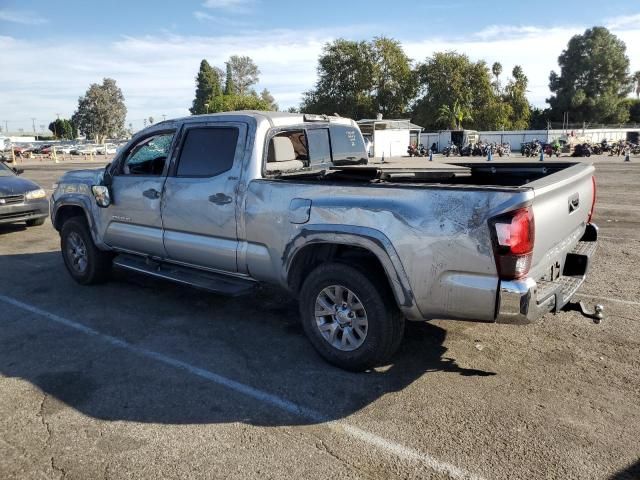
(350, 318)
(85, 262)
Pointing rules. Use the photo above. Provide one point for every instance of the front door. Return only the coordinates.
(200, 197)
(134, 221)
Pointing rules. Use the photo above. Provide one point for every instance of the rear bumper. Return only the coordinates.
(525, 301)
(28, 210)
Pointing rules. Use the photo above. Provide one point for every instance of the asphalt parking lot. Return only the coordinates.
(141, 378)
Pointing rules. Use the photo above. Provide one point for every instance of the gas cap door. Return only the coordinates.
(299, 210)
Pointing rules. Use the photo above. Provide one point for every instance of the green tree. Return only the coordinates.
(229, 85)
(244, 72)
(266, 96)
(207, 88)
(361, 79)
(449, 79)
(515, 96)
(63, 128)
(593, 80)
(101, 111)
(213, 95)
(345, 81)
(634, 110)
(454, 115)
(636, 79)
(539, 118)
(394, 81)
(496, 69)
(243, 102)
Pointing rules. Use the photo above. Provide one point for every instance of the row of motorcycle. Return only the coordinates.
(534, 148)
(622, 147)
(480, 149)
(528, 149)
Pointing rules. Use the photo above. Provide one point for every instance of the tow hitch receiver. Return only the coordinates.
(597, 315)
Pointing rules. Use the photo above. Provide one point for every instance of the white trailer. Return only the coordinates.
(390, 138)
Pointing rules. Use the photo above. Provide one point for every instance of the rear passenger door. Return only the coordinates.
(200, 197)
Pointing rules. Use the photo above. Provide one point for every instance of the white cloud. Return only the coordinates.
(156, 73)
(534, 48)
(218, 20)
(623, 22)
(23, 17)
(231, 5)
(502, 31)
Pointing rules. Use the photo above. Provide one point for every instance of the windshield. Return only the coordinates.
(5, 171)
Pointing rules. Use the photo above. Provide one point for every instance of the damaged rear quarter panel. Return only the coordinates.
(440, 236)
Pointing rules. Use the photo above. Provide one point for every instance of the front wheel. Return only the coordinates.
(36, 222)
(351, 319)
(85, 262)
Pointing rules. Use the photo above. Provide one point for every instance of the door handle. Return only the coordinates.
(220, 199)
(152, 193)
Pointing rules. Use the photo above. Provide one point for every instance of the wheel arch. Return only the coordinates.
(358, 246)
(61, 212)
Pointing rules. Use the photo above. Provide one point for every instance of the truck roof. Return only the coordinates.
(276, 119)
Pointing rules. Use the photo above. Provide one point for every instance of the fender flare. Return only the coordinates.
(364, 237)
(82, 203)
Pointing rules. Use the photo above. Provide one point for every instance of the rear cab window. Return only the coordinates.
(313, 148)
(347, 145)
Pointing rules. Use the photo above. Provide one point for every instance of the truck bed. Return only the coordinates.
(447, 207)
(501, 174)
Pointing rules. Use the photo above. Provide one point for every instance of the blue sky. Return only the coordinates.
(54, 50)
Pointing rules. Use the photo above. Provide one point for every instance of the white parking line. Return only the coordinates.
(608, 299)
(605, 237)
(372, 439)
(612, 206)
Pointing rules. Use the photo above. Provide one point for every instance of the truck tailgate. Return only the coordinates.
(561, 205)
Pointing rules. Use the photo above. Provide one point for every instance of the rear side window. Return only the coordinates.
(347, 145)
(319, 146)
(207, 152)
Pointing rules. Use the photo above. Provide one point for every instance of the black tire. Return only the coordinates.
(385, 322)
(98, 263)
(36, 222)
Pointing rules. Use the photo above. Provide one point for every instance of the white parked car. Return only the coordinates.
(65, 149)
(106, 149)
(84, 150)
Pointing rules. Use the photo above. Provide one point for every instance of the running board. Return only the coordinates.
(212, 282)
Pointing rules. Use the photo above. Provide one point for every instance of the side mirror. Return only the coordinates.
(18, 171)
(102, 195)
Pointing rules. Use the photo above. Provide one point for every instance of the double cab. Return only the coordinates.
(227, 202)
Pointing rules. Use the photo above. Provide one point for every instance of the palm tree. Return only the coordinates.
(453, 116)
(496, 69)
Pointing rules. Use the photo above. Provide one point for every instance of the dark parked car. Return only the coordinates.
(21, 200)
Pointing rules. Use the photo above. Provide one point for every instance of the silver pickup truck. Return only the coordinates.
(227, 202)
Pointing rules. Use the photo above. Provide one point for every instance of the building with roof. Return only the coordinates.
(389, 138)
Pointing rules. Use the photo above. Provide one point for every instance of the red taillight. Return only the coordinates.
(593, 202)
(513, 236)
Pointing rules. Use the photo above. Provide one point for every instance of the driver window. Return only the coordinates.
(148, 156)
